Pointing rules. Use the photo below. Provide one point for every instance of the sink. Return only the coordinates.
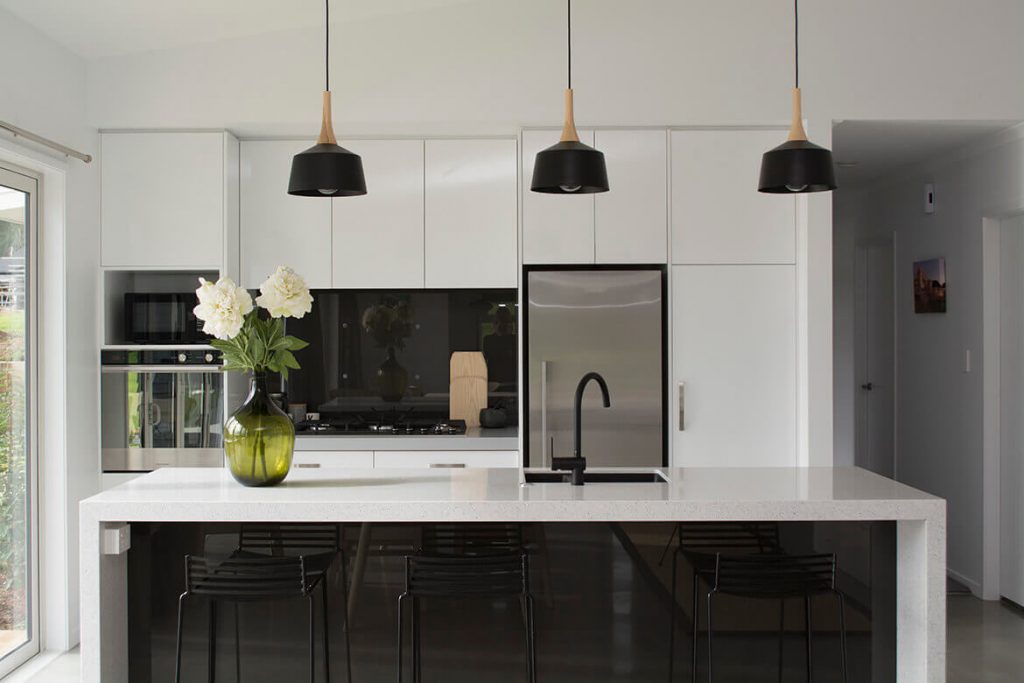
(548, 477)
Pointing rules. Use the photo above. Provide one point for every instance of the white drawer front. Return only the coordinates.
(439, 459)
(332, 459)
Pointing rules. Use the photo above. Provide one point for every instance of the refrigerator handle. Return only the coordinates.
(682, 406)
(544, 411)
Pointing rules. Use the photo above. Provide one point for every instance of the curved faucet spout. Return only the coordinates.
(578, 406)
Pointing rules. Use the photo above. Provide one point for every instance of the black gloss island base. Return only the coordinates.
(603, 607)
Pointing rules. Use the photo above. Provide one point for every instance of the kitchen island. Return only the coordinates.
(501, 495)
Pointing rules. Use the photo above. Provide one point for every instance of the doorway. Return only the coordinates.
(874, 364)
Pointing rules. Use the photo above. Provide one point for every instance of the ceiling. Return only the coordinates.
(102, 28)
(881, 147)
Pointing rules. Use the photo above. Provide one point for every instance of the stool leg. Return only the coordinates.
(782, 632)
(696, 622)
(842, 631)
(211, 642)
(401, 622)
(531, 641)
(327, 652)
(238, 656)
(177, 647)
(312, 641)
(710, 639)
(416, 667)
(807, 617)
(672, 620)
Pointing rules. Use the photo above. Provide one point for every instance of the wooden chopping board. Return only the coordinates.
(467, 387)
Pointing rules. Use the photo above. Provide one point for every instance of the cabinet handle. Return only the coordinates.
(682, 406)
(310, 465)
(447, 465)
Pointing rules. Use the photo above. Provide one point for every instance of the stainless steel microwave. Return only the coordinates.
(161, 408)
(162, 318)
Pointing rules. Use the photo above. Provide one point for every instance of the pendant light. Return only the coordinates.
(797, 165)
(325, 169)
(569, 166)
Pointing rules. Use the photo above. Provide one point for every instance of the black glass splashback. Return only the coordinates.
(384, 354)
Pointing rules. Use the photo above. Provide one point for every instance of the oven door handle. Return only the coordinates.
(162, 368)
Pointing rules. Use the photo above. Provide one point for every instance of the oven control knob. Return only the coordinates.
(182, 357)
(208, 358)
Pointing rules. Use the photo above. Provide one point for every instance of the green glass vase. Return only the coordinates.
(259, 438)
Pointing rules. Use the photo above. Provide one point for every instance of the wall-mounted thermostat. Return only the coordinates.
(929, 197)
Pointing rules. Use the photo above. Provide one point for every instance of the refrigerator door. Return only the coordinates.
(607, 321)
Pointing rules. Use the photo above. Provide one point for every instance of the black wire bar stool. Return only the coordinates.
(700, 544)
(779, 577)
(466, 561)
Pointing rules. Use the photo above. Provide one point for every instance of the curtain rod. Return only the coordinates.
(66, 151)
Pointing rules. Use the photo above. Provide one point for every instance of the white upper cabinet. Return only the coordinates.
(378, 237)
(470, 219)
(718, 216)
(557, 228)
(163, 199)
(278, 228)
(631, 219)
(734, 366)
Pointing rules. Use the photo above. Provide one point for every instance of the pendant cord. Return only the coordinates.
(796, 43)
(327, 45)
(568, 34)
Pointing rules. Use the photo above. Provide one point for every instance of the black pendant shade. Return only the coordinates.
(327, 170)
(797, 166)
(569, 167)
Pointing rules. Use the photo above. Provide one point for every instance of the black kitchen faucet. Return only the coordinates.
(577, 464)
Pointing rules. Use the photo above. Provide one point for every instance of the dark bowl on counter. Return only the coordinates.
(493, 418)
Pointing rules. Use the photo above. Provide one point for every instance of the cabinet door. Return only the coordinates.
(333, 459)
(718, 216)
(279, 229)
(162, 199)
(471, 222)
(378, 237)
(445, 459)
(557, 228)
(734, 361)
(631, 219)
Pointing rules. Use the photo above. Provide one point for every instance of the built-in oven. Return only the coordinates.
(161, 408)
(162, 318)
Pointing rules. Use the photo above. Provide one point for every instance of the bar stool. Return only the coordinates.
(779, 577)
(700, 544)
(480, 561)
(247, 579)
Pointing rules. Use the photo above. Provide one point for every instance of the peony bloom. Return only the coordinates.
(285, 294)
(222, 307)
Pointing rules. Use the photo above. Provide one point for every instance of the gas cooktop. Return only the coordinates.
(361, 427)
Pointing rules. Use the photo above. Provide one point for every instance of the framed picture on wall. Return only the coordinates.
(930, 286)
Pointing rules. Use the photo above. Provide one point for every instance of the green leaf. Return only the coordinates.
(296, 344)
(287, 359)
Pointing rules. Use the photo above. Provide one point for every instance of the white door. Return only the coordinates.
(162, 199)
(276, 227)
(718, 216)
(557, 228)
(874, 367)
(471, 213)
(1011, 402)
(734, 365)
(378, 237)
(631, 219)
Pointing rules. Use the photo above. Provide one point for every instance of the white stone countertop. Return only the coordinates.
(400, 495)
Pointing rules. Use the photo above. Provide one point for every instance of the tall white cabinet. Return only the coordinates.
(279, 229)
(168, 199)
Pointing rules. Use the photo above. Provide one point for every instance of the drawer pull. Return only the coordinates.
(310, 465)
(447, 465)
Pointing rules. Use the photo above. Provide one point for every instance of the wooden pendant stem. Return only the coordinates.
(796, 128)
(326, 126)
(569, 133)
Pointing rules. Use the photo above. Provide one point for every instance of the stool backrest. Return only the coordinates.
(734, 537)
(471, 539)
(500, 573)
(775, 575)
(289, 539)
(245, 578)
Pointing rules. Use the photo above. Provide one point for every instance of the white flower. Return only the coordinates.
(285, 294)
(222, 307)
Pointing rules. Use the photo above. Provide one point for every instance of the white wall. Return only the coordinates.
(42, 89)
(939, 405)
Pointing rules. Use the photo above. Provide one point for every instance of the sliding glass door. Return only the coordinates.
(19, 597)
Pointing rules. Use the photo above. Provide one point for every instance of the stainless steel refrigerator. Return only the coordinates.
(606, 319)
